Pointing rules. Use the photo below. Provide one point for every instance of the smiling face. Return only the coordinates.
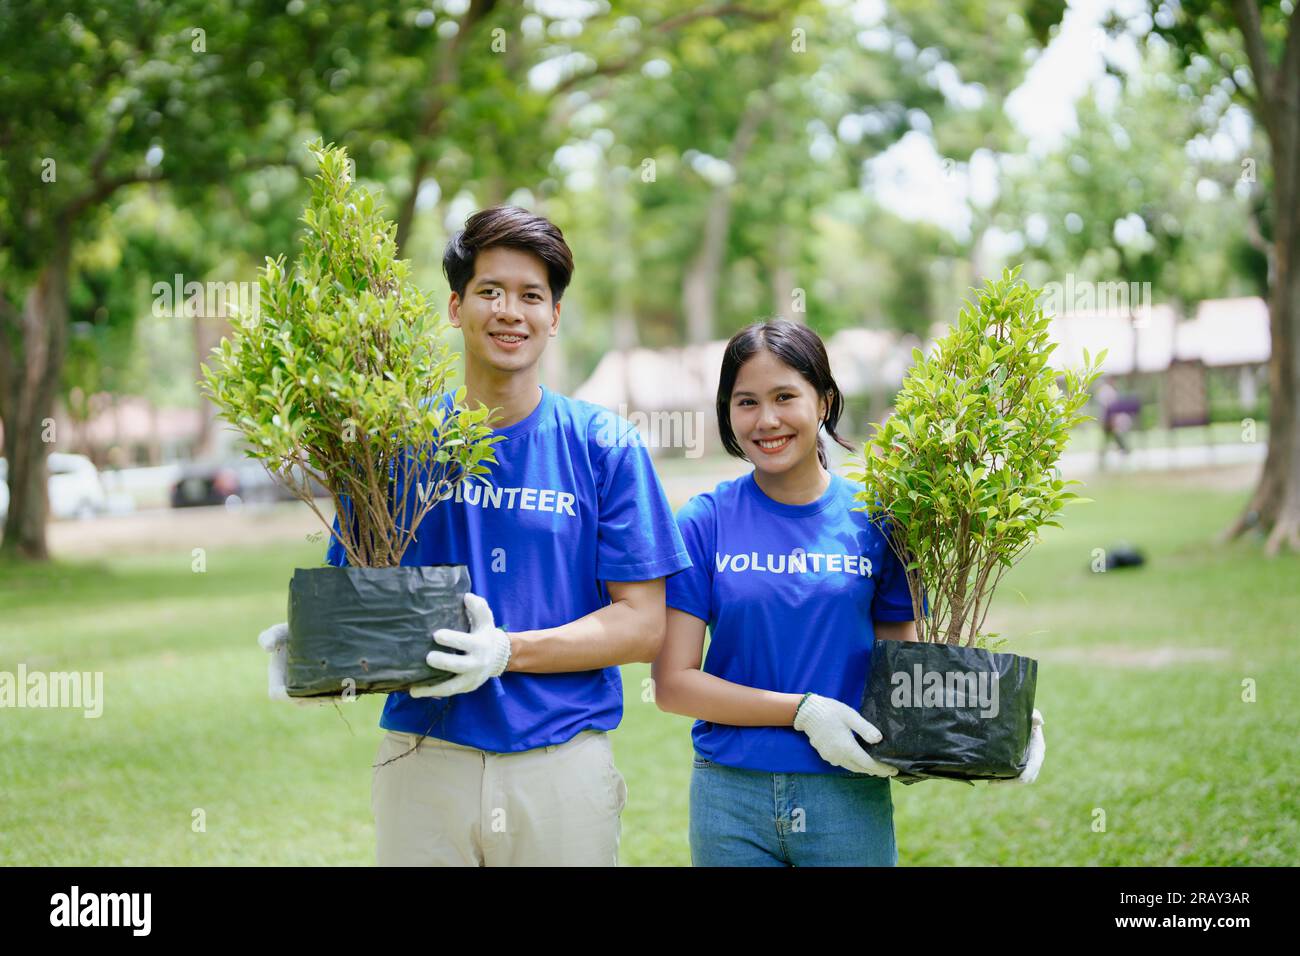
(507, 313)
(775, 414)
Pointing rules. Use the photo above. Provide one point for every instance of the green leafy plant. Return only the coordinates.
(340, 375)
(964, 473)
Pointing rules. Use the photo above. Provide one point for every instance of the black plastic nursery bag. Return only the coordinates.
(949, 712)
(372, 626)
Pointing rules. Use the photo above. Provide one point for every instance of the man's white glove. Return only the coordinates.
(1037, 750)
(274, 640)
(486, 653)
(830, 725)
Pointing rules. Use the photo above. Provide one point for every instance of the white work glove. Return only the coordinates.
(830, 725)
(486, 653)
(274, 640)
(1037, 750)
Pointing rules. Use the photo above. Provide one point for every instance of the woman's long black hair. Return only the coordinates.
(798, 347)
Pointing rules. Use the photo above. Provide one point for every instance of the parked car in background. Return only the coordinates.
(75, 489)
(231, 483)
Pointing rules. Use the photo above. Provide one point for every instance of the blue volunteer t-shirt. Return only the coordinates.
(789, 593)
(572, 502)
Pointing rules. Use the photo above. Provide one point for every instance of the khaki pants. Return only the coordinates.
(448, 805)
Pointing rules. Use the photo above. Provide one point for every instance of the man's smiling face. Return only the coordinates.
(507, 313)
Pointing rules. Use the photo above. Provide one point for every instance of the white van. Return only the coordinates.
(74, 487)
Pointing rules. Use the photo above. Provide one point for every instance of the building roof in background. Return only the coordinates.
(135, 421)
(1224, 332)
(687, 377)
(655, 379)
(1232, 331)
(1094, 330)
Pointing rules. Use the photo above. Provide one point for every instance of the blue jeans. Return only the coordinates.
(755, 818)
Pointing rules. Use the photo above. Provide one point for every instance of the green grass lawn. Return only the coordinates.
(1140, 683)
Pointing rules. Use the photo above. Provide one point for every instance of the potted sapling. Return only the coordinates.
(340, 376)
(960, 480)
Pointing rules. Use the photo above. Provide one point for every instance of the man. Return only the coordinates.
(508, 762)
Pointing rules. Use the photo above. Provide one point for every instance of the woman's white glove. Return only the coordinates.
(1037, 750)
(274, 640)
(830, 725)
(486, 653)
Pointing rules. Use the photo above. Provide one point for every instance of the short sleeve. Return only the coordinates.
(637, 538)
(691, 590)
(892, 600)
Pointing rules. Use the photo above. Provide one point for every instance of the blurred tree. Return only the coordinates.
(752, 133)
(1248, 52)
(119, 342)
(974, 54)
(98, 98)
(1113, 203)
(1135, 194)
(491, 101)
(753, 117)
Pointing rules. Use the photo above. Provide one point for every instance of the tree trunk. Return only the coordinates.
(155, 426)
(700, 287)
(205, 337)
(1274, 507)
(406, 211)
(624, 268)
(783, 244)
(442, 86)
(32, 347)
(783, 274)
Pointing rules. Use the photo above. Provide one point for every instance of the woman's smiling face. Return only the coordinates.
(775, 414)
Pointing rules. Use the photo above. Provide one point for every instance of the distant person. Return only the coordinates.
(1117, 413)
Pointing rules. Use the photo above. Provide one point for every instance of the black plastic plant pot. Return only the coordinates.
(371, 627)
(949, 712)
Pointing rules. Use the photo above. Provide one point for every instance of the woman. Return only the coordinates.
(795, 586)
